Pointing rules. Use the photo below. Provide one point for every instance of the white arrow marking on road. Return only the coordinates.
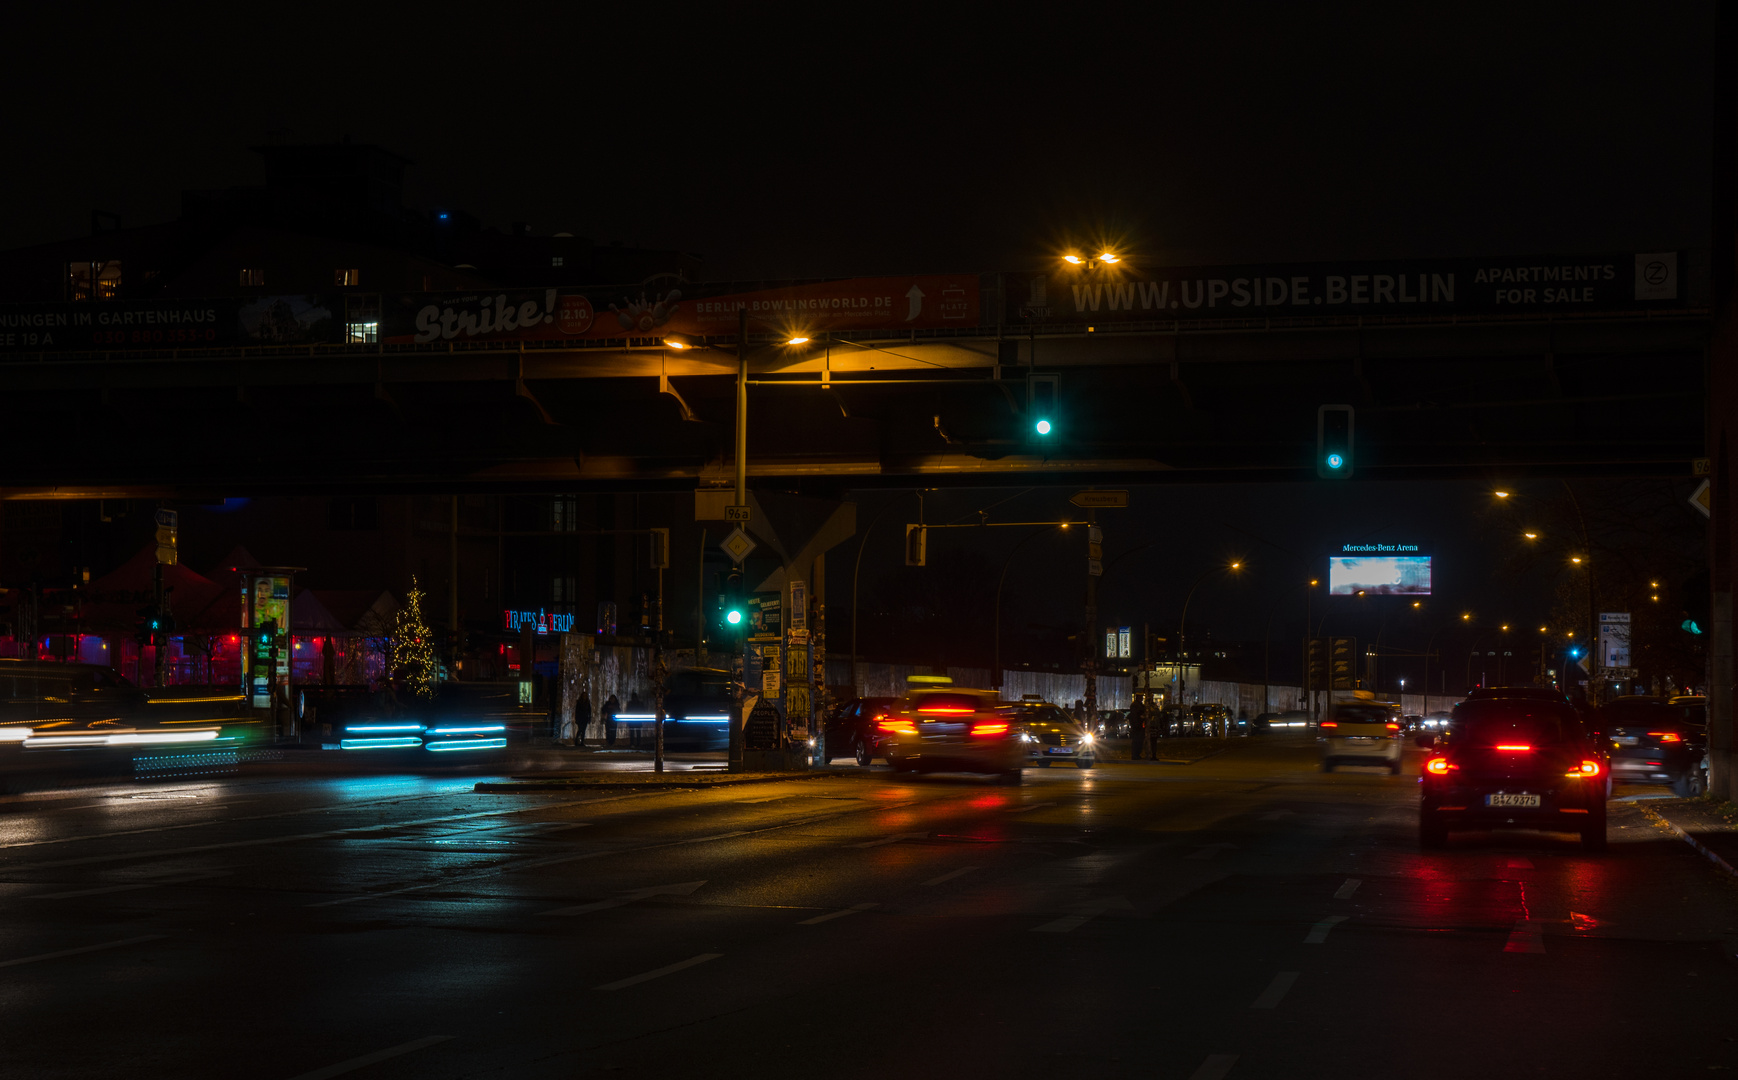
(1211, 850)
(915, 295)
(1216, 1067)
(1088, 912)
(1344, 892)
(831, 915)
(685, 888)
(1318, 934)
(892, 839)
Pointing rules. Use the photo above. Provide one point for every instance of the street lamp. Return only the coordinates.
(1184, 622)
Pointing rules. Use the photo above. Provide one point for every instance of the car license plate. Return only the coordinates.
(1626, 740)
(1511, 800)
(1059, 750)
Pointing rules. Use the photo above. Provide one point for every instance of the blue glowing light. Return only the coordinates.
(1574, 654)
(467, 730)
(378, 744)
(467, 744)
(1043, 427)
(383, 727)
(1335, 461)
(442, 215)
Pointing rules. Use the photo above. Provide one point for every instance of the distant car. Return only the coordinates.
(1290, 719)
(1051, 735)
(1362, 733)
(1411, 722)
(852, 731)
(1519, 762)
(1210, 719)
(1113, 724)
(1656, 741)
(949, 730)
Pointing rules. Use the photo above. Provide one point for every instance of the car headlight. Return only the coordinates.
(1086, 739)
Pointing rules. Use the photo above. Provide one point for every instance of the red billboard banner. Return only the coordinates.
(841, 306)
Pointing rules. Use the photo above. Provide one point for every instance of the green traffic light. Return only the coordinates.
(1042, 427)
(733, 617)
(1335, 461)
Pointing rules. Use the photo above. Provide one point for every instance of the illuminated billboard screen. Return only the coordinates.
(1379, 575)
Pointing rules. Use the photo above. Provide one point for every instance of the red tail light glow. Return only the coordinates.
(898, 727)
(1330, 723)
(1438, 766)
(1392, 726)
(1513, 746)
(950, 710)
(1588, 767)
(990, 729)
(1666, 736)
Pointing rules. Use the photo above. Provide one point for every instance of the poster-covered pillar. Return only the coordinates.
(265, 661)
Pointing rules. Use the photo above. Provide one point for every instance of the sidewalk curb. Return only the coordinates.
(1660, 819)
(711, 780)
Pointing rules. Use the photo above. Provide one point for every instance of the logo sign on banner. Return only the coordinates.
(1124, 641)
(1533, 284)
(1614, 639)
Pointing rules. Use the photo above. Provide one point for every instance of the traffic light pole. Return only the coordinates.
(160, 636)
(1091, 718)
(739, 659)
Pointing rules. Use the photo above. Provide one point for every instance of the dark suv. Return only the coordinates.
(1521, 763)
(852, 729)
(1655, 741)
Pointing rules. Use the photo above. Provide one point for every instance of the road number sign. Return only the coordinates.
(1099, 498)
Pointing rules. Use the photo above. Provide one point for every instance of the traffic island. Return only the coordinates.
(649, 781)
(1709, 826)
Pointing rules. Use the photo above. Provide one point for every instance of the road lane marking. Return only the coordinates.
(1525, 938)
(1344, 892)
(685, 888)
(1276, 991)
(1063, 925)
(1216, 1067)
(668, 969)
(831, 915)
(894, 839)
(1275, 815)
(101, 890)
(1319, 932)
(1028, 809)
(949, 876)
(369, 1059)
(1211, 851)
(1084, 914)
(1520, 864)
(82, 949)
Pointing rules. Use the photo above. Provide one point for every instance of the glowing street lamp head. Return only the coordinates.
(1236, 566)
(674, 344)
(1107, 258)
(1531, 535)
(1500, 494)
(797, 341)
(1074, 259)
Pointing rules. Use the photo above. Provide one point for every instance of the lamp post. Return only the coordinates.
(1182, 624)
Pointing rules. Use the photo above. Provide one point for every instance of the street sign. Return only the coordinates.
(1094, 568)
(742, 515)
(1703, 499)
(1100, 499)
(1702, 466)
(1095, 551)
(737, 545)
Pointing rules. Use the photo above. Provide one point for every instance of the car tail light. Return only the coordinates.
(949, 710)
(1392, 726)
(1588, 767)
(990, 729)
(1438, 766)
(1330, 723)
(898, 727)
(1514, 746)
(1666, 736)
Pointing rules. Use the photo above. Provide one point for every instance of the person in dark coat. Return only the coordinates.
(1137, 728)
(610, 708)
(581, 719)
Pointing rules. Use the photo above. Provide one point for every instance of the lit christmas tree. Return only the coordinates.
(412, 655)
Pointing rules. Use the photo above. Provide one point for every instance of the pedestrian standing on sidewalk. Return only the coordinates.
(610, 708)
(581, 719)
(1137, 728)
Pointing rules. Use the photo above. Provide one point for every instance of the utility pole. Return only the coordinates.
(658, 674)
(739, 661)
(1094, 567)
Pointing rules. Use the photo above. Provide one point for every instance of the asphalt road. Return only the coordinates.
(1246, 916)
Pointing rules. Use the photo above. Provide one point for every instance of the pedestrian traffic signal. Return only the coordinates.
(1041, 405)
(1334, 442)
(735, 607)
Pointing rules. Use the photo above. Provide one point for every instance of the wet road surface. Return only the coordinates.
(1246, 916)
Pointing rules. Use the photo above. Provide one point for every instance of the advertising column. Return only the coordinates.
(265, 605)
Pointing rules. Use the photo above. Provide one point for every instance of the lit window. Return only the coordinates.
(557, 260)
(348, 279)
(364, 333)
(252, 277)
(94, 279)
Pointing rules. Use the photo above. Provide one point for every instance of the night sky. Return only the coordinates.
(866, 139)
